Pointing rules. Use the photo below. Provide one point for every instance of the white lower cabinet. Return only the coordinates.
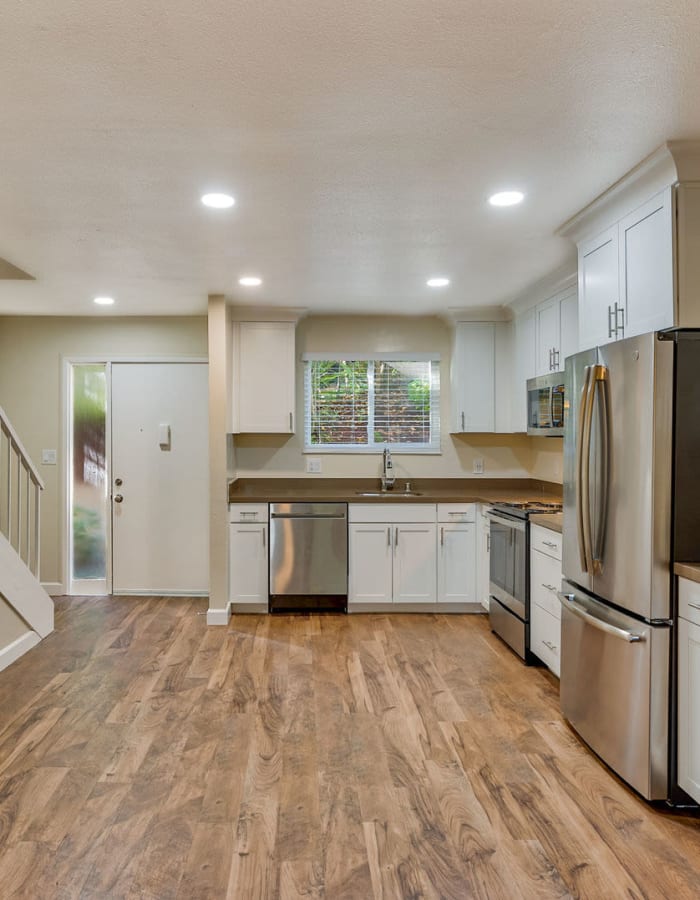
(545, 610)
(483, 557)
(457, 563)
(248, 555)
(689, 688)
(414, 563)
(371, 555)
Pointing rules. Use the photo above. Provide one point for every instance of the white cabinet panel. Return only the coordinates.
(646, 267)
(525, 332)
(457, 563)
(415, 564)
(248, 569)
(547, 337)
(689, 707)
(568, 328)
(370, 552)
(473, 380)
(599, 288)
(483, 559)
(263, 377)
(545, 637)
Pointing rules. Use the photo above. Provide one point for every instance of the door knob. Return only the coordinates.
(118, 498)
(118, 482)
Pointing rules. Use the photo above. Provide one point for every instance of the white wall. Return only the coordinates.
(282, 456)
(31, 351)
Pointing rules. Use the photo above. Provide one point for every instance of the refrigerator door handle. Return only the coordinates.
(568, 602)
(583, 453)
(597, 539)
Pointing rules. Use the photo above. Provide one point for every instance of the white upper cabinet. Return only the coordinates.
(525, 331)
(598, 288)
(473, 378)
(646, 267)
(547, 317)
(568, 327)
(263, 369)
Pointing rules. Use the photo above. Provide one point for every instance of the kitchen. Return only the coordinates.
(429, 737)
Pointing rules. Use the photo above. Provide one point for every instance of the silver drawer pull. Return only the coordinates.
(263, 538)
(460, 513)
(248, 516)
(550, 587)
(550, 544)
(552, 647)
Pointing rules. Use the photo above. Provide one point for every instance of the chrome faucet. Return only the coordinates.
(388, 476)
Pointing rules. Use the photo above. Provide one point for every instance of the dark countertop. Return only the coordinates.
(432, 490)
(553, 521)
(687, 570)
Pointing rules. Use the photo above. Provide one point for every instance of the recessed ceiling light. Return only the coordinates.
(437, 282)
(250, 281)
(506, 198)
(218, 201)
(104, 301)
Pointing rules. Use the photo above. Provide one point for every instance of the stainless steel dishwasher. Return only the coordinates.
(308, 556)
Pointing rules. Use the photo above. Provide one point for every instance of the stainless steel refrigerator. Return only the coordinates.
(631, 507)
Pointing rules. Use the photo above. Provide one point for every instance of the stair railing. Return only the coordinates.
(20, 493)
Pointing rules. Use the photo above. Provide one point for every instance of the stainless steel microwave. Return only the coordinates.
(545, 405)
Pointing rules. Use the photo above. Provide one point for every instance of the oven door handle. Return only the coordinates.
(515, 524)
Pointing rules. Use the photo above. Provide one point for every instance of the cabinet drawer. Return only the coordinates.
(546, 541)
(545, 581)
(456, 512)
(391, 512)
(545, 638)
(689, 600)
(248, 512)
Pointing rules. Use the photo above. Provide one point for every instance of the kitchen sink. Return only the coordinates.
(392, 494)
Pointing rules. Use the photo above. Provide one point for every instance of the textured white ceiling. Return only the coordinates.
(360, 139)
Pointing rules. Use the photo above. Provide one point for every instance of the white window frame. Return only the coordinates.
(432, 449)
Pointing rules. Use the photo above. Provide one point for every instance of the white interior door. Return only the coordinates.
(160, 491)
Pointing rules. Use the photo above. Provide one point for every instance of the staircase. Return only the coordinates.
(20, 588)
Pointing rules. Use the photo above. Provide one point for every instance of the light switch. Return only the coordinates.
(164, 436)
(478, 466)
(48, 457)
(313, 465)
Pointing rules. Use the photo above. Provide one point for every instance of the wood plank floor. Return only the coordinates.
(144, 755)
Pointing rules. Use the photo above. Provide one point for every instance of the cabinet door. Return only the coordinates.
(415, 564)
(473, 381)
(568, 328)
(598, 287)
(370, 560)
(457, 563)
(689, 707)
(484, 559)
(545, 637)
(646, 267)
(547, 336)
(248, 569)
(264, 377)
(525, 366)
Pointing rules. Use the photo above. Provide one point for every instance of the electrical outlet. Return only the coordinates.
(478, 466)
(48, 457)
(313, 465)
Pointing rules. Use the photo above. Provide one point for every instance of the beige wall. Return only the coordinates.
(11, 625)
(503, 455)
(31, 353)
(547, 459)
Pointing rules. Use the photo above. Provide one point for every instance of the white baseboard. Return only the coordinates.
(218, 616)
(257, 608)
(18, 648)
(53, 588)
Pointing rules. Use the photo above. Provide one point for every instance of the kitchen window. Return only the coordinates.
(356, 403)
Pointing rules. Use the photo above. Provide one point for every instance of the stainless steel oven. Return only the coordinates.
(509, 611)
(545, 405)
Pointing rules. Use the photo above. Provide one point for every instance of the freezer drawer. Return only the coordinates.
(615, 687)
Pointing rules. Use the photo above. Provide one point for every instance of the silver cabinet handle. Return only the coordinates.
(462, 421)
(396, 539)
(611, 327)
(568, 602)
(388, 536)
(118, 498)
(291, 421)
(619, 326)
(550, 587)
(552, 647)
(550, 544)
(442, 537)
(263, 538)
(550, 359)
(488, 543)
